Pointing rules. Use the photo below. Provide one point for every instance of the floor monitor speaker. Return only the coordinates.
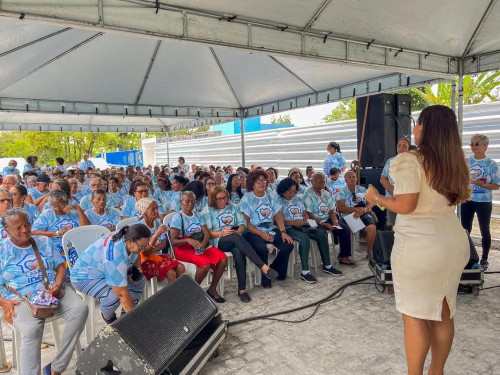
(175, 331)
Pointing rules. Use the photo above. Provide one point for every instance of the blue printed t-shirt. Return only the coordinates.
(192, 224)
(85, 203)
(175, 201)
(79, 195)
(235, 198)
(117, 196)
(105, 259)
(108, 219)
(156, 224)
(385, 172)
(86, 164)
(483, 168)
(333, 161)
(217, 220)
(3, 233)
(128, 208)
(32, 211)
(161, 195)
(335, 185)
(348, 197)
(28, 166)
(35, 194)
(319, 206)
(6, 171)
(19, 266)
(292, 210)
(260, 210)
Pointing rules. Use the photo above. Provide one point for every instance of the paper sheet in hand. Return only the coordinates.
(312, 223)
(355, 224)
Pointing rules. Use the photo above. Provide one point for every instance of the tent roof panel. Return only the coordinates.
(184, 71)
(425, 25)
(488, 38)
(102, 70)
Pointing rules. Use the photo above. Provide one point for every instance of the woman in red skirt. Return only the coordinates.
(153, 262)
(190, 236)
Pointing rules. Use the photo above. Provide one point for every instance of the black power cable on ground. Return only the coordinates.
(316, 304)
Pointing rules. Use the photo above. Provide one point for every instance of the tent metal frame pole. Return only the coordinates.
(168, 151)
(242, 131)
(453, 101)
(460, 111)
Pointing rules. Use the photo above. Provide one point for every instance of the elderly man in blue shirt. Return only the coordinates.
(10, 169)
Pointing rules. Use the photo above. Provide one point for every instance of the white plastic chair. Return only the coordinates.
(81, 238)
(127, 221)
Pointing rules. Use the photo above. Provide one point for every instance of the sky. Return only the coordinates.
(304, 116)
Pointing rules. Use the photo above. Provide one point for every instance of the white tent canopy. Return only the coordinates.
(184, 63)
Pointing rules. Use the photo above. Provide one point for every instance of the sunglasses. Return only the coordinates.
(6, 200)
(475, 144)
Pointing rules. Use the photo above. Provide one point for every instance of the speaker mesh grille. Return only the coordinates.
(159, 328)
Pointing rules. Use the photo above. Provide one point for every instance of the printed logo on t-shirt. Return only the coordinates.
(225, 219)
(477, 171)
(322, 208)
(193, 228)
(294, 211)
(263, 211)
(66, 223)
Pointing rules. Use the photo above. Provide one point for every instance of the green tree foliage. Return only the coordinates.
(281, 119)
(346, 110)
(70, 146)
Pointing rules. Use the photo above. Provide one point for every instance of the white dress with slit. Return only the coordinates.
(430, 249)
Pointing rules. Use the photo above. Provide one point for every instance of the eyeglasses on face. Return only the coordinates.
(261, 181)
(210, 183)
(224, 198)
(142, 191)
(140, 247)
(3, 200)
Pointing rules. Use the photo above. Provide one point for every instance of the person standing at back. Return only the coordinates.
(484, 177)
(334, 159)
(431, 248)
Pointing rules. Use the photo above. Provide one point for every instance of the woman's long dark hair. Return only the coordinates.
(196, 187)
(132, 232)
(441, 154)
(229, 184)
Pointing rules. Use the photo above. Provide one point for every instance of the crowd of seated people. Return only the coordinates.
(216, 211)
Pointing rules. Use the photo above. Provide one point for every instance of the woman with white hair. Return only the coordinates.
(484, 178)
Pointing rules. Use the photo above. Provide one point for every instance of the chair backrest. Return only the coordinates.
(167, 219)
(81, 238)
(127, 221)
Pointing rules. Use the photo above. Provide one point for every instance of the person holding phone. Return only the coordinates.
(226, 223)
(153, 262)
(190, 236)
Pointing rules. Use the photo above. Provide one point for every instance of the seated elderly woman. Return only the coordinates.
(190, 236)
(321, 208)
(178, 183)
(74, 187)
(60, 218)
(272, 178)
(30, 180)
(296, 175)
(261, 211)
(351, 199)
(335, 183)
(57, 185)
(226, 223)
(100, 214)
(295, 218)
(234, 188)
(19, 194)
(9, 181)
(97, 183)
(107, 270)
(201, 205)
(6, 202)
(153, 262)
(19, 271)
(114, 190)
(138, 190)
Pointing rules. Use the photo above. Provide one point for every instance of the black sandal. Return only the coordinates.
(218, 299)
(271, 274)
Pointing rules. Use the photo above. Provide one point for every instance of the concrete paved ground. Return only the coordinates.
(359, 333)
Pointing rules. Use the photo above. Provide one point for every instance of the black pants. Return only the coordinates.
(280, 263)
(241, 249)
(483, 211)
(344, 236)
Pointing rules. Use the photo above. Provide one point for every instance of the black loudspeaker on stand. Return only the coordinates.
(175, 331)
(388, 119)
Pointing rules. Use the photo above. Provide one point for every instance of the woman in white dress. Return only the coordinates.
(431, 248)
